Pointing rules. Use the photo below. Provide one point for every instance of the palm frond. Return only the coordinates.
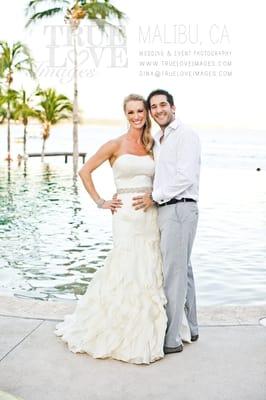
(3, 45)
(103, 24)
(103, 13)
(2, 99)
(53, 107)
(3, 114)
(23, 110)
(15, 58)
(28, 69)
(20, 47)
(102, 10)
(4, 57)
(44, 14)
(8, 96)
(62, 117)
(34, 4)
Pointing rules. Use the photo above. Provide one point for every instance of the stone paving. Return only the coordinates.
(227, 363)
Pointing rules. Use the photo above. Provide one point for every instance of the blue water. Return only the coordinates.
(53, 238)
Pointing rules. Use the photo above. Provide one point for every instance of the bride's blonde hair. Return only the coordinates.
(146, 137)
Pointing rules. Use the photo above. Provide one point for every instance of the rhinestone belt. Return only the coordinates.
(135, 190)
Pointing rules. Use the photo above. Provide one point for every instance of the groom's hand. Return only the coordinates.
(143, 202)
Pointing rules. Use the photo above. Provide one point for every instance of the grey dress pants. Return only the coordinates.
(178, 224)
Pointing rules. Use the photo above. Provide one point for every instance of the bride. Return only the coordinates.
(122, 314)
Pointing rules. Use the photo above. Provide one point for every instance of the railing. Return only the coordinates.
(55, 154)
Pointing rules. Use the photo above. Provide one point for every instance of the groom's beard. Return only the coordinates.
(168, 122)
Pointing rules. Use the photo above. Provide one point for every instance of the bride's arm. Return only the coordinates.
(105, 152)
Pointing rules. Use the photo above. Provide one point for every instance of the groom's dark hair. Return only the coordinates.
(157, 92)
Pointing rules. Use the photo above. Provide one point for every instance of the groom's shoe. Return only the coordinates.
(194, 338)
(169, 350)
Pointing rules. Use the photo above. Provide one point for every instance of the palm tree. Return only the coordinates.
(52, 108)
(101, 12)
(14, 58)
(23, 111)
(7, 106)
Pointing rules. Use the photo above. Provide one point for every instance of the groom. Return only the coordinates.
(175, 191)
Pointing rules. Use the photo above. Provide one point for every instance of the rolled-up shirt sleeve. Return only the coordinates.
(157, 196)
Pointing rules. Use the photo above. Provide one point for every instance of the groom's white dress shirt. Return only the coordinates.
(177, 163)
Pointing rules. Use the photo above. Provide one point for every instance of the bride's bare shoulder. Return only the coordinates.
(115, 143)
(120, 139)
(112, 147)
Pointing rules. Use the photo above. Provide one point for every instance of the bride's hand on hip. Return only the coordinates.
(112, 205)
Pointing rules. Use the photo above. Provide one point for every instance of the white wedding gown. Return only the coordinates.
(122, 313)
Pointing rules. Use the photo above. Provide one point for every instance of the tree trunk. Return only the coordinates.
(75, 109)
(43, 149)
(24, 140)
(8, 131)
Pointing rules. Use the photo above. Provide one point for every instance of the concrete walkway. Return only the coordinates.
(227, 363)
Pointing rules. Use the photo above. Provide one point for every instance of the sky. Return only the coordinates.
(210, 55)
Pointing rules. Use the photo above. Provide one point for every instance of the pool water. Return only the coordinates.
(53, 238)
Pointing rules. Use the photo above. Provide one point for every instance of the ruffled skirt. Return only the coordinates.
(122, 314)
